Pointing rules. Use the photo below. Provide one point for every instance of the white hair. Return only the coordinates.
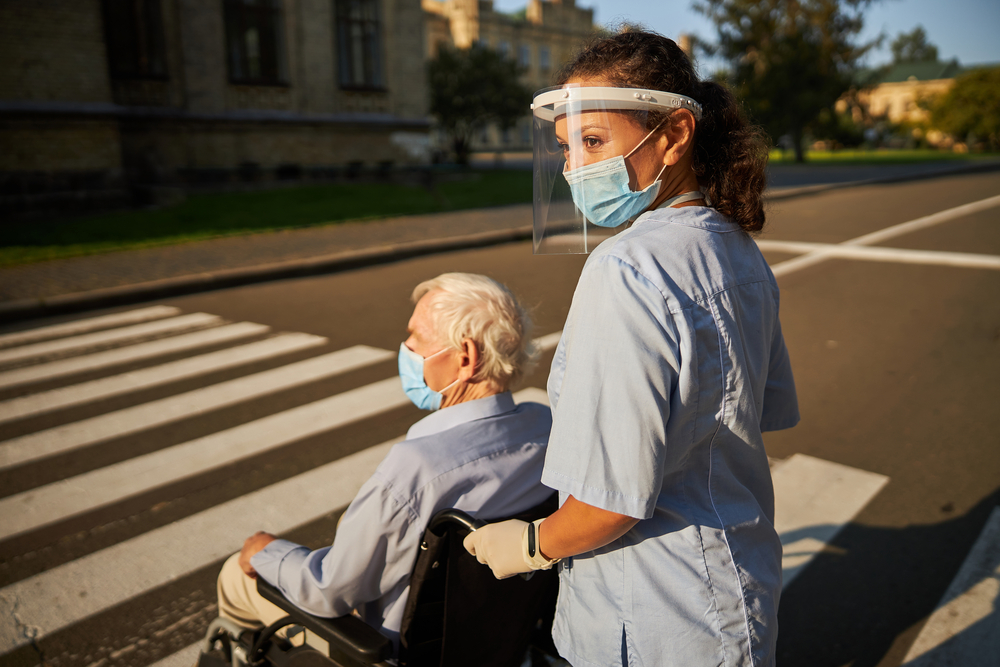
(467, 305)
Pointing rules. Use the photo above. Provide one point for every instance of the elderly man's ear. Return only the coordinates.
(469, 360)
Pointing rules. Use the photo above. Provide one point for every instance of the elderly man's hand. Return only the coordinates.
(253, 544)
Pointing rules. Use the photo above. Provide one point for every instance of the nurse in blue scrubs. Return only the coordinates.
(670, 366)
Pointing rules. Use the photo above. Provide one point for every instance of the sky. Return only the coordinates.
(962, 29)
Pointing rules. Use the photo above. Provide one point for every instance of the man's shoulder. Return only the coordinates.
(520, 434)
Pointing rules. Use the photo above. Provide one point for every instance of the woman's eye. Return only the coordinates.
(592, 142)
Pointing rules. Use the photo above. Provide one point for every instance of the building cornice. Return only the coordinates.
(106, 109)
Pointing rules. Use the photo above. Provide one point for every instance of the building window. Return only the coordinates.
(503, 48)
(134, 35)
(544, 59)
(255, 37)
(524, 55)
(359, 48)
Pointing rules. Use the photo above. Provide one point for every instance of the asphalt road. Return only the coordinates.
(896, 362)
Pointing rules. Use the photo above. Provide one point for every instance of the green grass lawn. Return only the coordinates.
(860, 156)
(214, 215)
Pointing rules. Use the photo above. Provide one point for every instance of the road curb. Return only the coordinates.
(805, 190)
(23, 309)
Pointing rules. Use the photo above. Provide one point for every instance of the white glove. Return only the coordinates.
(504, 547)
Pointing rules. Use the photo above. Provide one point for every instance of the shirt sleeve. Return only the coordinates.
(372, 553)
(781, 403)
(608, 441)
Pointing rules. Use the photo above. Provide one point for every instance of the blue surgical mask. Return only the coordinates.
(601, 190)
(411, 372)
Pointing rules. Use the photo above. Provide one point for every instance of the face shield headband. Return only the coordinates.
(576, 208)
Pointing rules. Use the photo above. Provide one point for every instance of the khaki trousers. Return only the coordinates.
(240, 602)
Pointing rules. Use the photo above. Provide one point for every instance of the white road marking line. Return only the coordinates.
(57, 399)
(123, 355)
(75, 495)
(548, 342)
(817, 256)
(89, 324)
(926, 221)
(112, 336)
(965, 627)
(813, 500)
(42, 444)
(877, 254)
(63, 595)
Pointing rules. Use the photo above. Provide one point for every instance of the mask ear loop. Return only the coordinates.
(638, 145)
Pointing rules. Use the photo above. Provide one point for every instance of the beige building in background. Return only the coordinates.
(542, 38)
(100, 94)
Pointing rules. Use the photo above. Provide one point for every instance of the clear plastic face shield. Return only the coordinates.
(597, 161)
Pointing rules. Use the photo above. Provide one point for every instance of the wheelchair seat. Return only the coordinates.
(457, 613)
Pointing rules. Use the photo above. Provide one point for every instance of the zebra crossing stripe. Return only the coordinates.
(57, 598)
(813, 500)
(111, 337)
(61, 439)
(131, 353)
(57, 399)
(965, 627)
(75, 495)
(548, 342)
(61, 596)
(89, 324)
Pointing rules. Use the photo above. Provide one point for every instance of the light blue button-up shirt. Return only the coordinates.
(671, 364)
(484, 457)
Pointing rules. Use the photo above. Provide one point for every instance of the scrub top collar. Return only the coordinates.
(462, 413)
(699, 217)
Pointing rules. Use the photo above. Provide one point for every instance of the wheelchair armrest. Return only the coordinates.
(348, 635)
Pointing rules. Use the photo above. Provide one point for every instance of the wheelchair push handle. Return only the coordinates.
(441, 520)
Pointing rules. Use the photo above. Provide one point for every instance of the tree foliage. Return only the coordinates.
(913, 47)
(789, 59)
(970, 111)
(471, 88)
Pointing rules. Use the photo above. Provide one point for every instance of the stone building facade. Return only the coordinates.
(542, 38)
(107, 93)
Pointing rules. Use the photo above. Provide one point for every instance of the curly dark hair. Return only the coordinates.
(730, 153)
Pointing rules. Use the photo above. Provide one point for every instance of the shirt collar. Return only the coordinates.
(462, 413)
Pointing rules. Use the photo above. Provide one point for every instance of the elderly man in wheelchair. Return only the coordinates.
(477, 452)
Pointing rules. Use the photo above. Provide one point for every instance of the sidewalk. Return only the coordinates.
(78, 283)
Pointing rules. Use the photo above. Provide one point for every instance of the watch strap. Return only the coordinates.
(532, 549)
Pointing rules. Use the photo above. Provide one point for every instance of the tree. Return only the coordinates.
(471, 88)
(913, 47)
(789, 59)
(971, 107)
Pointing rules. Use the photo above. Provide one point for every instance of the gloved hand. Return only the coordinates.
(504, 547)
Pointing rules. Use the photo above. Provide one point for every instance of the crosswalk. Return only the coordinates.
(815, 498)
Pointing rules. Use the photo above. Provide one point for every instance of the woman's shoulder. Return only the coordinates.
(687, 252)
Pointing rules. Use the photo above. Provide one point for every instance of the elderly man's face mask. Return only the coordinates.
(414, 371)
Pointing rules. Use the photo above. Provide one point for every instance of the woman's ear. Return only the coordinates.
(678, 136)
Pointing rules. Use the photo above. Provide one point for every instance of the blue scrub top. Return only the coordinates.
(670, 365)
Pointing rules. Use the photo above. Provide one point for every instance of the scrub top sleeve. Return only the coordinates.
(781, 404)
(608, 442)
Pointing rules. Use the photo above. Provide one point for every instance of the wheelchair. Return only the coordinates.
(453, 616)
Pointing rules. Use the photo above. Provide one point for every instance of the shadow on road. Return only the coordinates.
(870, 586)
